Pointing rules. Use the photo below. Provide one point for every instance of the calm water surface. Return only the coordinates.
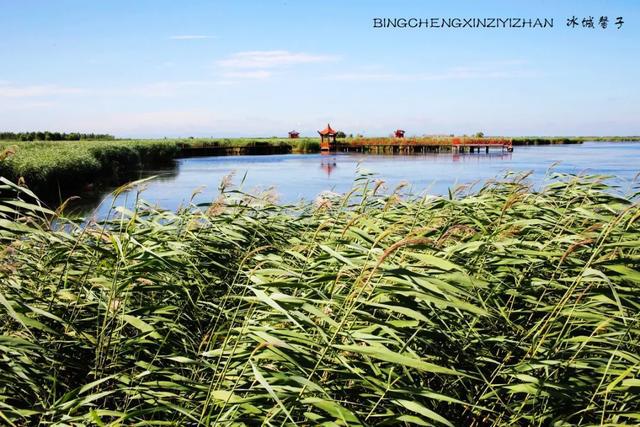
(304, 176)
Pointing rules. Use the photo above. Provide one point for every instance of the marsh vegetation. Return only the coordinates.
(505, 306)
(62, 166)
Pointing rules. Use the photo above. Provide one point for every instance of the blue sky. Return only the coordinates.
(151, 68)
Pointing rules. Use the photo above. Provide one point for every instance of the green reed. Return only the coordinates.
(502, 306)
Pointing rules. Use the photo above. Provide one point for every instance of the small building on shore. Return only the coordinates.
(327, 138)
(399, 133)
(294, 134)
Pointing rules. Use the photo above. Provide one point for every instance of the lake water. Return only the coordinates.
(304, 176)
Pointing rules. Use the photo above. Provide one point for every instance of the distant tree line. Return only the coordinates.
(51, 136)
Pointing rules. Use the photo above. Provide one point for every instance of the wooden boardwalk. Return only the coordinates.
(422, 145)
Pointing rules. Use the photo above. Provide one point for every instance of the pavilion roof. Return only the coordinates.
(327, 130)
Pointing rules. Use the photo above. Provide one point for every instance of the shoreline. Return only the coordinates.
(60, 168)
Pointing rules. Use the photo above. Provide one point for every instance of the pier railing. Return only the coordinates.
(482, 142)
(424, 144)
(443, 141)
(357, 142)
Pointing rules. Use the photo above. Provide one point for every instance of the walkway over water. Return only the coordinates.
(421, 145)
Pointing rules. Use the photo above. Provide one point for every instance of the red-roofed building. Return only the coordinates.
(327, 138)
(293, 134)
(399, 133)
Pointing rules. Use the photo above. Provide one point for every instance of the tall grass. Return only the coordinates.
(297, 144)
(501, 307)
(545, 140)
(46, 166)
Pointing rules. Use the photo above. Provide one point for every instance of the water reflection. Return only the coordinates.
(477, 157)
(85, 202)
(304, 176)
(328, 165)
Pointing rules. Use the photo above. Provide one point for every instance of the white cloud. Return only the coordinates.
(498, 70)
(254, 74)
(191, 37)
(178, 122)
(156, 89)
(461, 74)
(166, 88)
(8, 90)
(27, 104)
(272, 59)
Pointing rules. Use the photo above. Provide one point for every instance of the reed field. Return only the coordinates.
(47, 166)
(500, 306)
(546, 140)
(297, 145)
(56, 166)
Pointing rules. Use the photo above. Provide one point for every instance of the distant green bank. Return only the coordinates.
(546, 140)
(53, 136)
(48, 166)
(68, 165)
